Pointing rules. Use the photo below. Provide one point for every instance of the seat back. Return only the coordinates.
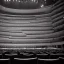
(61, 55)
(48, 61)
(26, 55)
(25, 61)
(0, 56)
(54, 56)
(4, 61)
(61, 60)
(11, 56)
(29, 55)
(43, 56)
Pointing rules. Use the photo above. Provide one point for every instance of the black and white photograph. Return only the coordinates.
(31, 31)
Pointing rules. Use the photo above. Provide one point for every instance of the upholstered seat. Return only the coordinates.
(10, 55)
(61, 60)
(26, 55)
(4, 61)
(43, 56)
(53, 56)
(48, 61)
(25, 61)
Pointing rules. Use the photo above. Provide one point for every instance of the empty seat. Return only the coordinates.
(4, 61)
(61, 55)
(5, 52)
(26, 56)
(11, 56)
(29, 55)
(54, 56)
(43, 56)
(48, 61)
(61, 60)
(25, 61)
(0, 56)
(22, 55)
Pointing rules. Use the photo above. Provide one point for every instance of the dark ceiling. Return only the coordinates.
(26, 4)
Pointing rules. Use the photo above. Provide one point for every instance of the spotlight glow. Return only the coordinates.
(16, 0)
(7, 0)
(42, 5)
(34, 1)
(13, 0)
(19, 1)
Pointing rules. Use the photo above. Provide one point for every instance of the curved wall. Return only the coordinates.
(58, 20)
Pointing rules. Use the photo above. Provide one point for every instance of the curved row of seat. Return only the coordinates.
(29, 59)
(58, 18)
(37, 29)
(44, 54)
(26, 29)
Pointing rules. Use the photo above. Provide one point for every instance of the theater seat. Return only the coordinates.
(29, 55)
(26, 55)
(10, 56)
(22, 55)
(53, 56)
(61, 60)
(6, 52)
(0, 56)
(48, 61)
(42, 56)
(25, 61)
(4, 61)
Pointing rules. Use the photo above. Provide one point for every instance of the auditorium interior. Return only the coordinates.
(31, 31)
